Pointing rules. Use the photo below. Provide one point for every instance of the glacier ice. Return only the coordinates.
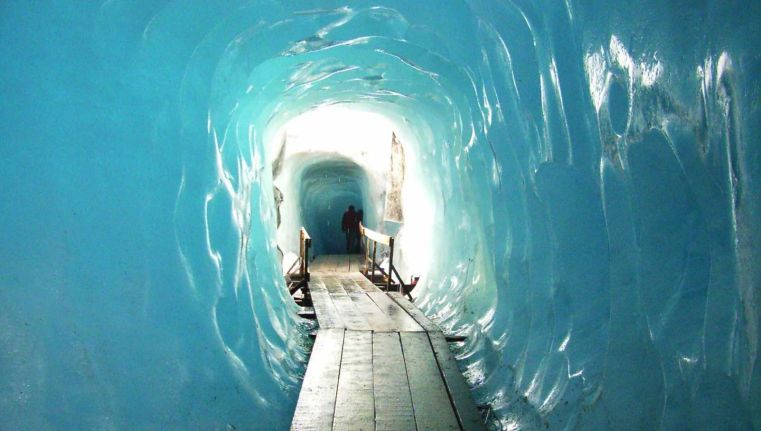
(581, 199)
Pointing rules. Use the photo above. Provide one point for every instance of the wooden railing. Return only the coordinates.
(372, 239)
(300, 279)
(305, 243)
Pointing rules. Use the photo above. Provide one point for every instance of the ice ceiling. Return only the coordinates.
(581, 198)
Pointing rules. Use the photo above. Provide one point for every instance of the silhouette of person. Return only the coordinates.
(350, 226)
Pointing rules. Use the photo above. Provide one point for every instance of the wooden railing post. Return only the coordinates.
(367, 245)
(305, 242)
(301, 252)
(372, 274)
(390, 263)
(371, 264)
(307, 246)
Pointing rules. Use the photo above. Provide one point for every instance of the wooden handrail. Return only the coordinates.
(375, 236)
(305, 243)
(371, 264)
(300, 281)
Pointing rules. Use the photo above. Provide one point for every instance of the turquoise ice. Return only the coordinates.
(593, 165)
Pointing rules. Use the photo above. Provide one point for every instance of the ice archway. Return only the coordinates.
(593, 165)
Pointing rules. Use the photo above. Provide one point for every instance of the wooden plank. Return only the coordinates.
(317, 400)
(415, 312)
(345, 265)
(325, 263)
(355, 409)
(352, 317)
(333, 263)
(364, 283)
(430, 400)
(336, 263)
(395, 313)
(349, 284)
(342, 263)
(318, 264)
(330, 263)
(314, 266)
(458, 388)
(327, 312)
(393, 403)
(377, 319)
(353, 267)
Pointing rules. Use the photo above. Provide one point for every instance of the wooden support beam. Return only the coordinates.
(307, 313)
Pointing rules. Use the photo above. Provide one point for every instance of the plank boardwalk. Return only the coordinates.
(377, 363)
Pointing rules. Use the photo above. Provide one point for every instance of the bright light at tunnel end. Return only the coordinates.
(363, 136)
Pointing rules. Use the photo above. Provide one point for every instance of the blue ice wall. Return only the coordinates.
(595, 164)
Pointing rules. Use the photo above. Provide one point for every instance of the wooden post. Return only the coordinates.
(304, 243)
(372, 274)
(301, 253)
(367, 245)
(390, 263)
(307, 245)
(367, 254)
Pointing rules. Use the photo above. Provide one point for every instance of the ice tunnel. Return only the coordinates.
(327, 190)
(581, 200)
(329, 158)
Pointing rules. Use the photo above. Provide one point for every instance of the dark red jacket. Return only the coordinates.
(350, 222)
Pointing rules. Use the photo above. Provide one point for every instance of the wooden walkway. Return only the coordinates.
(377, 363)
(345, 263)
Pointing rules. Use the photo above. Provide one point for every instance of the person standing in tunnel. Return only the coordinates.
(350, 226)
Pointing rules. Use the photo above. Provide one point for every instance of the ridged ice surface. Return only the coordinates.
(591, 171)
